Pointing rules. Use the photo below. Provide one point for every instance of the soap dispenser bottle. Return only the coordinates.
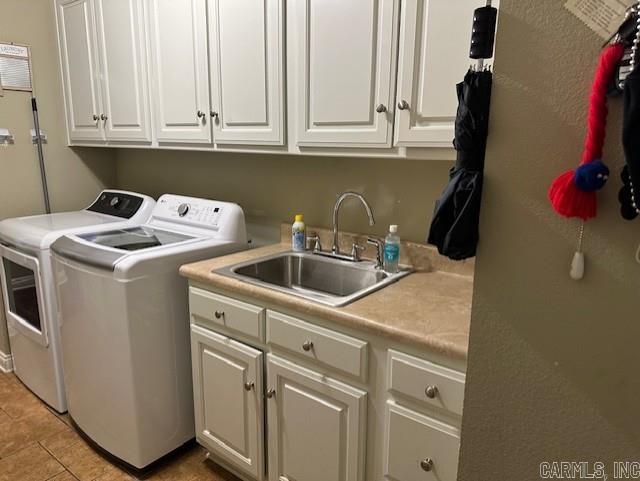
(298, 234)
(392, 250)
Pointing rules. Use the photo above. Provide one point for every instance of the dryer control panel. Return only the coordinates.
(119, 204)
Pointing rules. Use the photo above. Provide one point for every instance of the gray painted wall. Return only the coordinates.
(553, 369)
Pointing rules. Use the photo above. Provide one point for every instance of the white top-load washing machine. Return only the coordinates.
(125, 325)
(29, 289)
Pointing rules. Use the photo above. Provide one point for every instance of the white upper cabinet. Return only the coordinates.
(316, 426)
(123, 65)
(342, 62)
(433, 57)
(246, 65)
(178, 31)
(347, 77)
(76, 37)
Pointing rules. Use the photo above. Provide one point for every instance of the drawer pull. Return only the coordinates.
(219, 314)
(431, 392)
(307, 345)
(248, 386)
(426, 464)
(270, 393)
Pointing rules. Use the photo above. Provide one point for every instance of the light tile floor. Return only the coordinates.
(37, 444)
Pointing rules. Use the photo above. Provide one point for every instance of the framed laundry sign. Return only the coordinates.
(15, 67)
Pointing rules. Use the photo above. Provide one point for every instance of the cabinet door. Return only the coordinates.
(227, 384)
(179, 70)
(419, 448)
(76, 37)
(123, 63)
(343, 64)
(433, 57)
(246, 54)
(316, 426)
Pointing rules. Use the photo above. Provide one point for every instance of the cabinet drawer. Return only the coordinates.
(426, 382)
(419, 448)
(213, 310)
(324, 346)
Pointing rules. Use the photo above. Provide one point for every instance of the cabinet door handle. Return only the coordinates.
(248, 386)
(270, 393)
(426, 464)
(103, 117)
(200, 114)
(95, 117)
(219, 314)
(213, 114)
(431, 392)
(403, 105)
(381, 108)
(307, 345)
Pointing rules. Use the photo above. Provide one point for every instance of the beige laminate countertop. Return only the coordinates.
(429, 310)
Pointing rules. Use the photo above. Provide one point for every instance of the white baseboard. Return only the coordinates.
(6, 362)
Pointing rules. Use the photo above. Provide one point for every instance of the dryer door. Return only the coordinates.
(22, 290)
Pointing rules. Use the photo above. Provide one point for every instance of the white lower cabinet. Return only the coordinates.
(316, 425)
(419, 448)
(227, 381)
(278, 398)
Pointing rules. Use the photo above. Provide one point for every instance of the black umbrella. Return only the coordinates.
(630, 193)
(454, 228)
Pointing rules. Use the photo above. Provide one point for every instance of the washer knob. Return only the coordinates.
(183, 209)
(114, 202)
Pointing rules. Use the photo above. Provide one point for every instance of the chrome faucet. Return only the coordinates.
(335, 249)
(336, 209)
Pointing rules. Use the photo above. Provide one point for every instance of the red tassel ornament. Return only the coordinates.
(573, 193)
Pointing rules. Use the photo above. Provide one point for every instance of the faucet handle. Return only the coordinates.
(315, 238)
(379, 250)
(355, 251)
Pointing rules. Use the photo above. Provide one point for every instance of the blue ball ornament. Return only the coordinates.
(592, 176)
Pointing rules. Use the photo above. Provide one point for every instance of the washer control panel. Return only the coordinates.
(201, 212)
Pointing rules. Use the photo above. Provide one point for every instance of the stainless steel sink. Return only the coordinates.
(326, 280)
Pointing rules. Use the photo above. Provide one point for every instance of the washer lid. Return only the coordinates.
(105, 249)
(135, 238)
